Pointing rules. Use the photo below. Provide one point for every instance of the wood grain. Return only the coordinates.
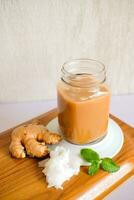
(21, 179)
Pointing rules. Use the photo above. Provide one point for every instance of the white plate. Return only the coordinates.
(107, 147)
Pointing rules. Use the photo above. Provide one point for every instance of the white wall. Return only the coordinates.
(38, 36)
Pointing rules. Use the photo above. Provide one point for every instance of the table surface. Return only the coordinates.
(12, 114)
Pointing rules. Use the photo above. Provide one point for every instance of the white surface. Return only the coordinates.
(121, 106)
(38, 36)
(16, 113)
(109, 146)
(123, 192)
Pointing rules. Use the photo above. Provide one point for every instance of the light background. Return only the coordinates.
(38, 36)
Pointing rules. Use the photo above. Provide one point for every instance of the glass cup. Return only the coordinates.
(83, 101)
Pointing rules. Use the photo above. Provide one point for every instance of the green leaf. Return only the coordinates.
(89, 155)
(93, 169)
(109, 165)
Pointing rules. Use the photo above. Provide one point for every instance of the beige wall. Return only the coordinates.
(38, 36)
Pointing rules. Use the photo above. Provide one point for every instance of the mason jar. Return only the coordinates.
(83, 101)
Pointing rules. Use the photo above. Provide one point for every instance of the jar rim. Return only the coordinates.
(81, 60)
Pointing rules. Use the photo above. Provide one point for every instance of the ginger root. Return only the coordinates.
(31, 139)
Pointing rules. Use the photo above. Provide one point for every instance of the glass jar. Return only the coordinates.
(83, 101)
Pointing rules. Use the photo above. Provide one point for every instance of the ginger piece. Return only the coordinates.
(16, 148)
(31, 139)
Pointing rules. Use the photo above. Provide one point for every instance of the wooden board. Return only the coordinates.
(22, 179)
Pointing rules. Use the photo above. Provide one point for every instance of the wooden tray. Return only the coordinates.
(22, 178)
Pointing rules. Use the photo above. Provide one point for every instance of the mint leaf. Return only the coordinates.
(89, 155)
(109, 165)
(93, 169)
